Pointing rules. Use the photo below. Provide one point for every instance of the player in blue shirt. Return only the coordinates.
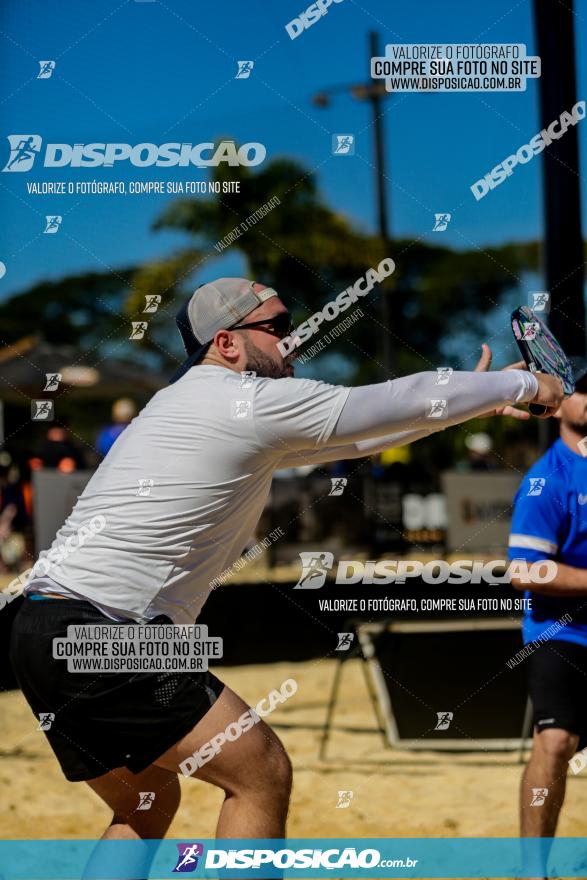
(550, 522)
(123, 412)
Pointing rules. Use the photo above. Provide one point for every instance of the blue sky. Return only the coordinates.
(164, 71)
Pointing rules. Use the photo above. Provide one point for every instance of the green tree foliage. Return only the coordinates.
(84, 310)
(306, 250)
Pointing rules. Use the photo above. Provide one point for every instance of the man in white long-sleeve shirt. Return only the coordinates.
(176, 499)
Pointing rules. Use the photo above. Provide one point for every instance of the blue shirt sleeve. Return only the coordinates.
(106, 438)
(538, 523)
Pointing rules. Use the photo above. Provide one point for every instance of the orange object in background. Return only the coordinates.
(66, 465)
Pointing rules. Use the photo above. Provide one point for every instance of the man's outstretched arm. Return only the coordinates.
(362, 449)
(366, 448)
(417, 402)
(295, 415)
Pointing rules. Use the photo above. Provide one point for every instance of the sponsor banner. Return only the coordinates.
(479, 509)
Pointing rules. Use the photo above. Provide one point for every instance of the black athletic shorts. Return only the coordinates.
(102, 720)
(557, 680)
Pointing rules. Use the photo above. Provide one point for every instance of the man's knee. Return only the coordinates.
(279, 770)
(556, 746)
(270, 765)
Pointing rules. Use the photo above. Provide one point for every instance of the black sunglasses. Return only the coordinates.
(280, 325)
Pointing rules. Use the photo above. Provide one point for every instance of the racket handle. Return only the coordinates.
(537, 409)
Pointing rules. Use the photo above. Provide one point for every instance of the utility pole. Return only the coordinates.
(382, 216)
(374, 92)
(563, 241)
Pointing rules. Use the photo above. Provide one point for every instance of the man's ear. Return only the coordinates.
(227, 345)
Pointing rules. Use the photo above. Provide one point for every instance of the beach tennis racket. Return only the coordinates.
(541, 351)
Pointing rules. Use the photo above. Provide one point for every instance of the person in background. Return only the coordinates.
(14, 518)
(57, 450)
(550, 523)
(123, 412)
(479, 454)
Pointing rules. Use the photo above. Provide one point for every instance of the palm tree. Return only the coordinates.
(309, 253)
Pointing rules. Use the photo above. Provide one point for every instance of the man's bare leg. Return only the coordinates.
(547, 768)
(552, 749)
(254, 771)
(120, 789)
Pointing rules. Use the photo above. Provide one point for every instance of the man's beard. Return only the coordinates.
(261, 364)
(578, 427)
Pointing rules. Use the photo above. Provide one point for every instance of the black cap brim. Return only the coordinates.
(190, 362)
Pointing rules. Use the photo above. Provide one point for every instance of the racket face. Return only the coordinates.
(540, 349)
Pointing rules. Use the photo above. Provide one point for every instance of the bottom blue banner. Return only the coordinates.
(307, 857)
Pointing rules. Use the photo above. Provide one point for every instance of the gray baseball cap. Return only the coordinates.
(217, 305)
